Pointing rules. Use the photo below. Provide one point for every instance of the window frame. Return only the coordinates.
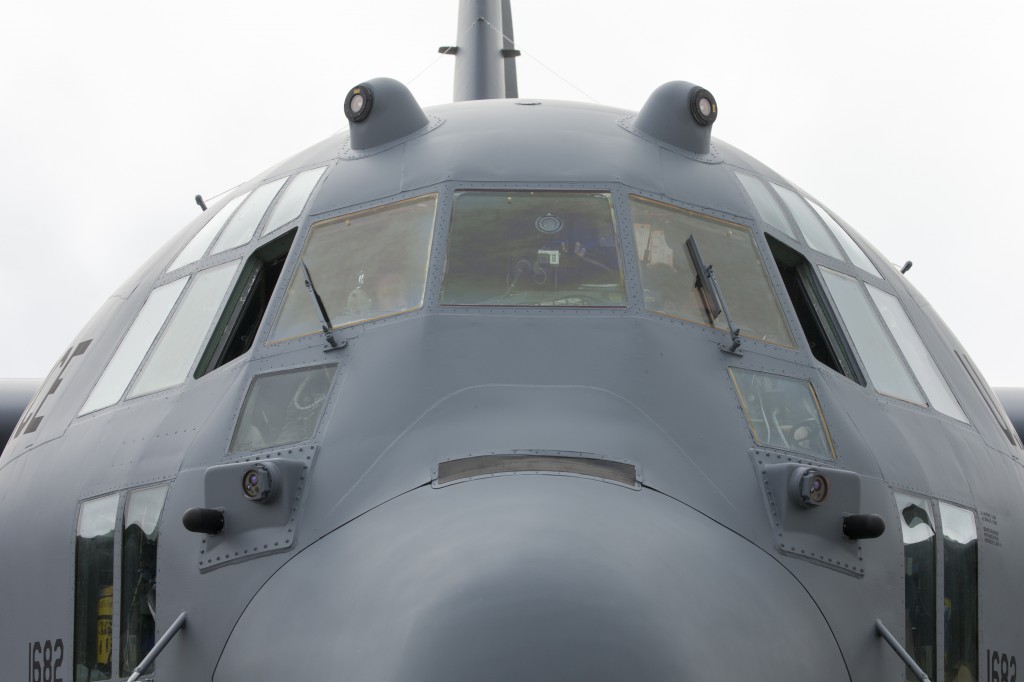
(940, 538)
(117, 560)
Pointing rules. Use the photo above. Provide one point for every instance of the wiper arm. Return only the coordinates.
(321, 311)
(708, 284)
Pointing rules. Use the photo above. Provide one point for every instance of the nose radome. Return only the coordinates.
(532, 577)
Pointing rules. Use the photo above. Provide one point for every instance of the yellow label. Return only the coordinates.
(104, 626)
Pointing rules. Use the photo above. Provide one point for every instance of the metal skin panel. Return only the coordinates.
(253, 528)
(533, 577)
(684, 576)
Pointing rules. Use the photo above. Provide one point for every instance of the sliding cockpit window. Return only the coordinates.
(359, 267)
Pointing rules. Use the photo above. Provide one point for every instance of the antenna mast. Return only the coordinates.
(485, 65)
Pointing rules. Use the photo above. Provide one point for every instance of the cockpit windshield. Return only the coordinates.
(362, 266)
(533, 248)
(669, 276)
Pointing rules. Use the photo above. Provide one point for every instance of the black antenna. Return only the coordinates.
(199, 200)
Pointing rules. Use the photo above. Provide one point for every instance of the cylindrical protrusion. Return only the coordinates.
(381, 110)
(479, 66)
(680, 114)
(203, 520)
(863, 526)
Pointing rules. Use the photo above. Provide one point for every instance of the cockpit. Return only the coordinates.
(587, 250)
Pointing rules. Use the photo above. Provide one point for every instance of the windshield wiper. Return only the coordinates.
(321, 311)
(708, 284)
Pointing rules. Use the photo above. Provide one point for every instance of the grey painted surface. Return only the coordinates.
(532, 577)
(388, 577)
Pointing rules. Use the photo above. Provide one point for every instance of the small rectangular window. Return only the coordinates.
(783, 412)
(140, 530)
(960, 591)
(919, 553)
(94, 588)
(282, 408)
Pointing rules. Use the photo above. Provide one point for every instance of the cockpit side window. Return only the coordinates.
(818, 238)
(825, 337)
(882, 361)
(669, 276)
(175, 352)
(849, 247)
(134, 346)
(533, 248)
(236, 221)
(920, 360)
(195, 249)
(236, 330)
(242, 225)
(293, 199)
(766, 205)
(816, 226)
(362, 266)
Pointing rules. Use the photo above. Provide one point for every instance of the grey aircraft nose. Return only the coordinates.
(532, 577)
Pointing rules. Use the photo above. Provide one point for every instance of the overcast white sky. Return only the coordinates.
(903, 117)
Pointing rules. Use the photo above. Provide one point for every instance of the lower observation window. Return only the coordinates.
(282, 408)
(555, 249)
(783, 413)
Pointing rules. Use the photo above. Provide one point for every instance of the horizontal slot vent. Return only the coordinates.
(485, 465)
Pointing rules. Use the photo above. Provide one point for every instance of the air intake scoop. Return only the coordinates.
(679, 114)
